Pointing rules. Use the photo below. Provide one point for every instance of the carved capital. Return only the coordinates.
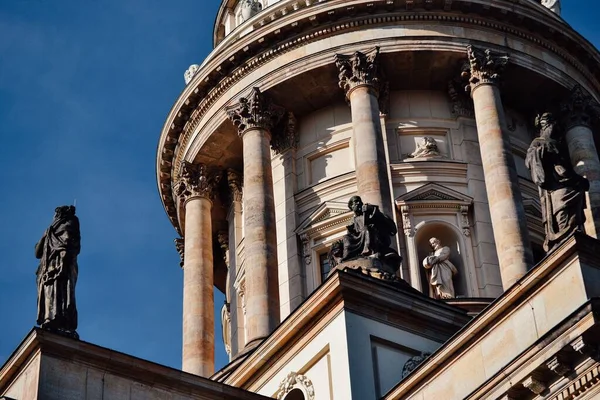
(287, 137)
(196, 180)
(359, 69)
(579, 109)
(234, 180)
(484, 67)
(180, 246)
(255, 111)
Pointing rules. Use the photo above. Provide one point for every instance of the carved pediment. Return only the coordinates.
(326, 213)
(433, 192)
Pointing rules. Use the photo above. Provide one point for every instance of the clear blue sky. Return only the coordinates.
(85, 86)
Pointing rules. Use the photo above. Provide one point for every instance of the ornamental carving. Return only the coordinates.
(460, 104)
(226, 327)
(223, 239)
(485, 67)
(287, 137)
(413, 363)
(196, 180)
(190, 72)
(180, 246)
(306, 253)
(359, 69)
(234, 180)
(552, 5)
(256, 111)
(295, 380)
(579, 109)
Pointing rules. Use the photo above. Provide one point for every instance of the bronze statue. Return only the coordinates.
(57, 251)
(562, 191)
(369, 236)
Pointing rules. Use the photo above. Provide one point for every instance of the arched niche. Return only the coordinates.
(450, 237)
(295, 394)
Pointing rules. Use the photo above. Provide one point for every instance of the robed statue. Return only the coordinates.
(562, 190)
(57, 251)
(368, 236)
(440, 270)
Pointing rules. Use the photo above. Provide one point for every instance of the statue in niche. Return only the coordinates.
(562, 190)
(369, 236)
(57, 251)
(427, 148)
(441, 270)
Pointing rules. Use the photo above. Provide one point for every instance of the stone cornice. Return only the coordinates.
(235, 57)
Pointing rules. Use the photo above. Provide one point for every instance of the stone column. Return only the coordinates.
(256, 117)
(195, 188)
(501, 180)
(360, 79)
(291, 274)
(578, 112)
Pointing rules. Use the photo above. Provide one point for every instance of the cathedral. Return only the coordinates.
(400, 199)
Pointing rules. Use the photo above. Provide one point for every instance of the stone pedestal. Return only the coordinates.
(196, 188)
(255, 117)
(577, 115)
(360, 80)
(504, 196)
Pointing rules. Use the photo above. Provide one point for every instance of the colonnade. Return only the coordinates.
(256, 118)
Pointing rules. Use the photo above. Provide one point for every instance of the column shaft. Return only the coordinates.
(584, 158)
(369, 151)
(198, 300)
(260, 241)
(501, 180)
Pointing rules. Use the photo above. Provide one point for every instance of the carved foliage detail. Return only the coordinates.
(294, 380)
(359, 69)
(180, 246)
(579, 109)
(255, 111)
(196, 180)
(287, 137)
(485, 67)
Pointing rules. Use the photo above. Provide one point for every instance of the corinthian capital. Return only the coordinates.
(287, 137)
(234, 180)
(255, 111)
(579, 109)
(359, 69)
(484, 67)
(196, 180)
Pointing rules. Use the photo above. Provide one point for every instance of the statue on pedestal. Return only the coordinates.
(57, 251)
(368, 237)
(562, 190)
(441, 270)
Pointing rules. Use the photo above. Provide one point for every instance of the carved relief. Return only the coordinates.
(180, 246)
(241, 292)
(306, 253)
(295, 380)
(413, 363)
(406, 224)
(223, 239)
(226, 327)
(579, 109)
(255, 111)
(461, 105)
(426, 148)
(196, 180)
(359, 69)
(464, 220)
(485, 67)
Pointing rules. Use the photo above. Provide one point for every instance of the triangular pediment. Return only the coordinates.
(328, 211)
(434, 192)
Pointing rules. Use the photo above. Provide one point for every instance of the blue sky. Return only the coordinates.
(85, 86)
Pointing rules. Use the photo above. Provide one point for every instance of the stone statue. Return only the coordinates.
(368, 236)
(553, 5)
(441, 270)
(57, 251)
(562, 191)
(427, 148)
(190, 72)
(250, 8)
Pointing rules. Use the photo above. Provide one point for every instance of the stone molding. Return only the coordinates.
(287, 137)
(485, 67)
(580, 109)
(235, 181)
(180, 246)
(255, 111)
(203, 92)
(293, 381)
(359, 69)
(196, 181)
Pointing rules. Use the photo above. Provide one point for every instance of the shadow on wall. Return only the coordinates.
(450, 238)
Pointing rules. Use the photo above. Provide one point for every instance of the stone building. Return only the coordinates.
(424, 108)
